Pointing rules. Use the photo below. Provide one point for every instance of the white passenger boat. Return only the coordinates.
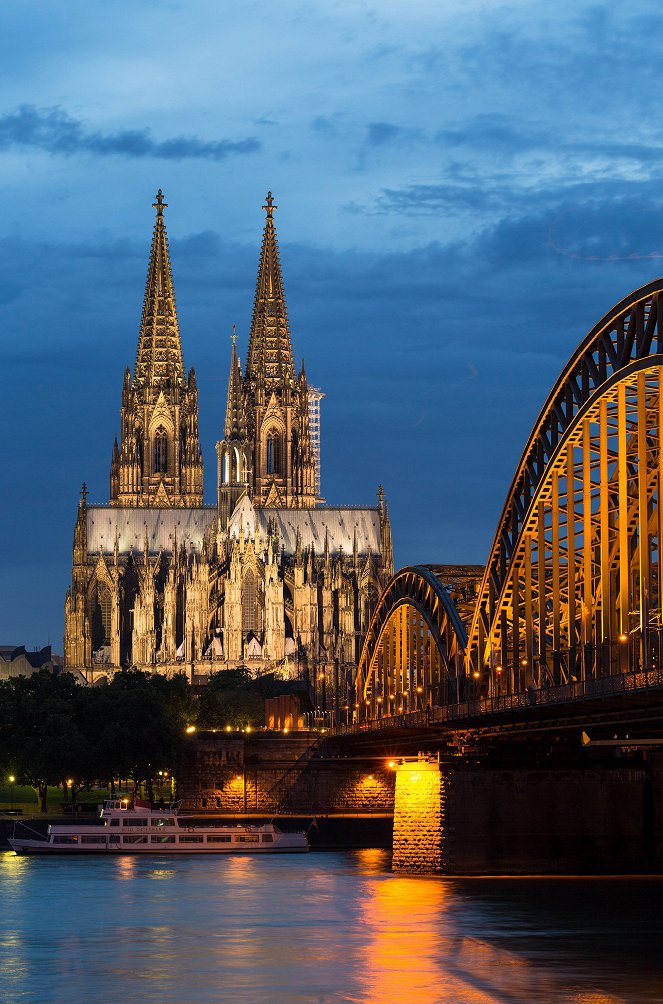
(134, 830)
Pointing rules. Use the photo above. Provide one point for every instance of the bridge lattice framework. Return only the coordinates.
(572, 590)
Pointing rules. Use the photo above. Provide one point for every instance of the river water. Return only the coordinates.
(323, 927)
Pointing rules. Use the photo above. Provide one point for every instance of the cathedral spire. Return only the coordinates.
(270, 358)
(235, 427)
(159, 360)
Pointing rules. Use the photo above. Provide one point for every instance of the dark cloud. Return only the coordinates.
(54, 131)
(387, 133)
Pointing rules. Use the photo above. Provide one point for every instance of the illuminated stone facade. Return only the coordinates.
(268, 577)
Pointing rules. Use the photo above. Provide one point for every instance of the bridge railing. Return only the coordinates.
(570, 693)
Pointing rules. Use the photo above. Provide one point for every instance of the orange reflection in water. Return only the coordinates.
(414, 953)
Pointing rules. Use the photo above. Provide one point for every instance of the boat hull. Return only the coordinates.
(44, 847)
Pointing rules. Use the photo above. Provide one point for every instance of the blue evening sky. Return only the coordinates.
(464, 189)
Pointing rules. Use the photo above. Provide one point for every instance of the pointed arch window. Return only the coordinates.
(249, 619)
(273, 453)
(225, 473)
(161, 451)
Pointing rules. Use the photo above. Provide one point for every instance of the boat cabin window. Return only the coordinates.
(162, 838)
(191, 840)
(248, 838)
(114, 838)
(162, 821)
(113, 822)
(219, 838)
(267, 838)
(133, 839)
(64, 839)
(141, 821)
(93, 840)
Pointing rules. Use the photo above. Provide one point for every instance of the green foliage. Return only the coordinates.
(52, 729)
(233, 698)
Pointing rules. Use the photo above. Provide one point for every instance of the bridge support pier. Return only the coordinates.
(420, 825)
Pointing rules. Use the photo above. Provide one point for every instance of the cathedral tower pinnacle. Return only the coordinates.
(158, 461)
(280, 468)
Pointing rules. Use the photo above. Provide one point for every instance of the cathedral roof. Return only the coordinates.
(129, 523)
(270, 349)
(159, 360)
(312, 525)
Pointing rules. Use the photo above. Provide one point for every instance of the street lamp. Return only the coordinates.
(12, 781)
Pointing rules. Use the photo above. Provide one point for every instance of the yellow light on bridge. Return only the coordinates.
(623, 636)
(392, 764)
(229, 728)
(190, 729)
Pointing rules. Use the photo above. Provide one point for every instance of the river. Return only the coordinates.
(318, 928)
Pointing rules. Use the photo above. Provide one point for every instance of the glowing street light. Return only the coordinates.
(190, 729)
(12, 781)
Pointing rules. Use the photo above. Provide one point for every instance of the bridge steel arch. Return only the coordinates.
(573, 587)
(413, 654)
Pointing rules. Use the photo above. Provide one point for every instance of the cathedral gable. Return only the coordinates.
(161, 499)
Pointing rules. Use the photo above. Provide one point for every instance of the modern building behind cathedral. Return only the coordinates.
(269, 578)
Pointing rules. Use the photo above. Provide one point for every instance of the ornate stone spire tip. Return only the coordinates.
(159, 205)
(269, 206)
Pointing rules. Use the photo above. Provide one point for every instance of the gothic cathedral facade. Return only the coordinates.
(269, 577)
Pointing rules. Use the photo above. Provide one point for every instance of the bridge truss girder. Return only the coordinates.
(572, 584)
(412, 657)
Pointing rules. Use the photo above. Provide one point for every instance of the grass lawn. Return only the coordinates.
(19, 796)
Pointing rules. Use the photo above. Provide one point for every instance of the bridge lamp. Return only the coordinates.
(476, 674)
(523, 663)
(392, 764)
(420, 690)
(229, 728)
(190, 729)
(622, 637)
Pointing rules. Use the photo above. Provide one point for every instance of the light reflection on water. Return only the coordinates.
(317, 929)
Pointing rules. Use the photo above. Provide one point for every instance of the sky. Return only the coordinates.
(464, 189)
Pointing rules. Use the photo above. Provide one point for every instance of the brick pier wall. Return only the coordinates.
(271, 773)
(482, 820)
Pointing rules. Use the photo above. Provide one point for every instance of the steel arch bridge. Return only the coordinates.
(412, 655)
(572, 587)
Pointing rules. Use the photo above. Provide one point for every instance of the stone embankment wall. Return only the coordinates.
(275, 773)
(480, 820)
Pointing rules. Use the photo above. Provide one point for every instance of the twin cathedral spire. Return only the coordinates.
(266, 452)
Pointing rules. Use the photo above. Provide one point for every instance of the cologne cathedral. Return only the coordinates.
(269, 577)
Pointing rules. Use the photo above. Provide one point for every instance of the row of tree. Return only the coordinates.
(52, 730)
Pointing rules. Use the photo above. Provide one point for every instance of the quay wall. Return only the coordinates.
(573, 820)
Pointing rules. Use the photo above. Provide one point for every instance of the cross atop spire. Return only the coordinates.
(269, 207)
(159, 205)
